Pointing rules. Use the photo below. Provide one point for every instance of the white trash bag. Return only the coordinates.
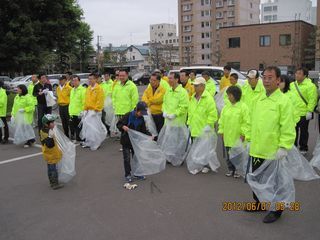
(22, 131)
(50, 99)
(108, 108)
(151, 126)
(1, 123)
(239, 157)
(203, 153)
(66, 167)
(93, 130)
(174, 142)
(272, 183)
(219, 99)
(113, 126)
(299, 167)
(148, 158)
(315, 161)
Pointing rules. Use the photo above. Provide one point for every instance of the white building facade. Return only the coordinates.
(164, 33)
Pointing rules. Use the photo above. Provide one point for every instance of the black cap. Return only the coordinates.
(142, 106)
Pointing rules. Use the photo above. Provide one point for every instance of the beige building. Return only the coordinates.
(256, 46)
(199, 24)
(317, 64)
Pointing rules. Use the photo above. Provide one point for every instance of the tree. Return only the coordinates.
(32, 29)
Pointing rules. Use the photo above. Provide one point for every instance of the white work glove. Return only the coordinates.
(171, 116)
(12, 119)
(165, 115)
(309, 116)
(45, 90)
(207, 129)
(51, 133)
(281, 154)
(21, 110)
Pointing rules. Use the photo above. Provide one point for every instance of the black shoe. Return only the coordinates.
(271, 217)
(5, 141)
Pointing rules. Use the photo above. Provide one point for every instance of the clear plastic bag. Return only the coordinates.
(174, 142)
(219, 98)
(93, 130)
(272, 183)
(66, 166)
(315, 161)
(50, 99)
(203, 153)
(22, 131)
(148, 158)
(299, 167)
(113, 126)
(151, 126)
(1, 123)
(108, 108)
(239, 157)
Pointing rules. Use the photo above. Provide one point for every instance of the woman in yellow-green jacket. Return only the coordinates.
(24, 103)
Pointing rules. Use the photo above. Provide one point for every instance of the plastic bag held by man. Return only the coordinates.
(50, 99)
(93, 130)
(239, 156)
(272, 183)
(151, 126)
(22, 131)
(108, 108)
(203, 153)
(315, 161)
(148, 158)
(66, 166)
(173, 141)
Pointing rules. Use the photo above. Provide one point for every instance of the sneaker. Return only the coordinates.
(236, 175)
(229, 174)
(4, 141)
(84, 146)
(27, 145)
(57, 186)
(271, 217)
(120, 150)
(128, 179)
(303, 152)
(205, 170)
(140, 178)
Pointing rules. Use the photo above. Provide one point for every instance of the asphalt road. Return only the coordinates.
(171, 205)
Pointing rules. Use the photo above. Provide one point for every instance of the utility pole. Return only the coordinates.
(99, 38)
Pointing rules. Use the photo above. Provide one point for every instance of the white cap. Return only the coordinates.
(252, 74)
(199, 80)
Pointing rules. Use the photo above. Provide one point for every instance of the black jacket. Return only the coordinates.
(41, 98)
(132, 122)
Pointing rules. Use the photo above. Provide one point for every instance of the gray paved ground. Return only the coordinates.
(95, 206)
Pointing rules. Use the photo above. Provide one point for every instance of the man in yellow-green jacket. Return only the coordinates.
(210, 83)
(175, 102)
(272, 132)
(304, 99)
(125, 96)
(34, 81)
(3, 114)
(202, 112)
(76, 106)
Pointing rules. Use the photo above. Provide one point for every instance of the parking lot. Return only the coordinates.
(170, 205)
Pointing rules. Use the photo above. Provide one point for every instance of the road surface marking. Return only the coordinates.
(20, 158)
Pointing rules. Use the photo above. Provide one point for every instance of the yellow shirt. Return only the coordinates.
(165, 78)
(190, 89)
(224, 82)
(154, 100)
(63, 94)
(94, 98)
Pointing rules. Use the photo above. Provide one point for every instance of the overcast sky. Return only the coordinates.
(127, 21)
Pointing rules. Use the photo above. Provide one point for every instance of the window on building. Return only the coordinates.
(265, 41)
(267, 18)
(202, 35)
(133, 57)
(219, 4)
(202, 46)
(285, 39)
(202, 56)
(202, 24)
(166, 41)
(170, 41)
(251, 5)
(231, 14)
(274, 17)
(234, 42)
(219, 15)
(251, 15)
(275, 8)
(219, 25)
(186, 18)
(187, 39)
(187, 28)
(186, 7)
(207, 35)
(267, 9)
(235, 65)
(231, 2)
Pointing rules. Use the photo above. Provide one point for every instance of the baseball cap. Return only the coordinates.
(252, 74)
(49, 118)
(199, 80)
(142, 106)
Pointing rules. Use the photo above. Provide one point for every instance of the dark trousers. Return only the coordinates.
(42, 110)
(75, 120)
(103, 119)
(127, 154)
(52, 173)
(231, 167)
(158, 121)
(65, 119)
(302, 134)
(6, 129)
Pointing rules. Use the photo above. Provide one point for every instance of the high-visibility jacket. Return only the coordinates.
(225, 82)
(191, 81)
(115, 84)
(30, 92)
(309, 92)
(77, 100)
(63, 94)
(94, 99)
(249, 95)
(176, 102)
(107, 87)
(3, 102)
(272, 125)
(234, 122)
(201, 113)
(125, 98)
(190, 89)
(211, 87)
(165, 78)
(26, 103)
(164, 84)
(154, 99)
(292, 97)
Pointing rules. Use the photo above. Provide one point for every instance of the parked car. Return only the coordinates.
(84, 79)
(141, 78)
(6, 81)
(26, 80)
